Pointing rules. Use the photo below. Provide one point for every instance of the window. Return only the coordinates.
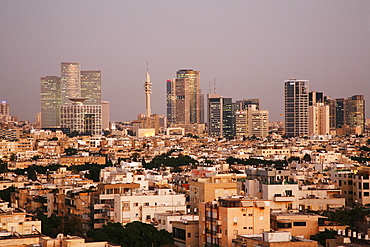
(189, 235)
(146, 204)
(288, 193)
(366, 186)
(284, 225)
(366, 193)
(235, 232)
(196, 234)
(299, 223)
(148, 217)
(250, 214)
(136, 204)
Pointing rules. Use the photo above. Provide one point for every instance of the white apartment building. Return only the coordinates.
(143, 206)
(165, 220)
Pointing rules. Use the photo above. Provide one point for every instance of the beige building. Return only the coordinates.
(210, 188)
(81, 160)
(186, 233)
(299, 225)
(252, 122)
(221, 221)
(318, 119)
(272, 239)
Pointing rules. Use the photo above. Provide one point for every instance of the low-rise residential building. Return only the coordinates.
(273, 239)
(221, 221)
(186, 233)
(144, 205)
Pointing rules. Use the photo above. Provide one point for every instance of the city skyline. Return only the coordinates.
(250, 48)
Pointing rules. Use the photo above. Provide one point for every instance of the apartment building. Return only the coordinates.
(186, 233)
(223, 220)
(210, 188)
(144, 205)
(274, 185)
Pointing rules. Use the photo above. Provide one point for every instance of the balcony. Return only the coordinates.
(98, 216)
(284, 198)
(219, 235)
(218, 222)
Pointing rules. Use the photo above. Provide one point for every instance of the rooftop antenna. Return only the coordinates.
(214, 85)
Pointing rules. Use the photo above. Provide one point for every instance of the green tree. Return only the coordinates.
(5, 194)
(327, 234)
(134, 234)
(31, 173)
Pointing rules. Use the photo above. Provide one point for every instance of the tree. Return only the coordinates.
(31, 173)
(307, 158)
(327, 234)
(5, 194)
(135, 234)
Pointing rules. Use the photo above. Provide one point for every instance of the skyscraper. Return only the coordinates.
(4, 108)
(50, 101)
(220, 116)
(183, 98)
(70, 82)
(318, 116)
(82, 89)
(354, 113)
(296, 107)
(85, 119)
(91, 87)
(252, 122)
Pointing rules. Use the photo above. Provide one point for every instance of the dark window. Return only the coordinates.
(284, 225)
(366, 186)
(299, 223)
(366, 193)
(178, 233)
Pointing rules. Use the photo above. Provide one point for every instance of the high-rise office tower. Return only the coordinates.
(85, 119)
(354, 113)
(315, 97)
(91, 87)
(4, 108)
(339, 112)
(50, 101)
(183, 98)
(242, 105)
(220, 116)
(105, 114)
(318, 115)
(171, 100)
(296, 107)
(252, 122)
(70, 82)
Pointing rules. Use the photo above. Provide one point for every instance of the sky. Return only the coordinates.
(248, 48)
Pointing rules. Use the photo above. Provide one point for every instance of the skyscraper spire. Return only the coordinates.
(148, 91)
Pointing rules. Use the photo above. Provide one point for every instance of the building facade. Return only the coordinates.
(50, 101)
(296, 107)
(70, 81)
(184, 98)
(82, 118)
(91, 87)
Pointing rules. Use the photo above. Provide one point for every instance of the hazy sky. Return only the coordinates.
(250, 47)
